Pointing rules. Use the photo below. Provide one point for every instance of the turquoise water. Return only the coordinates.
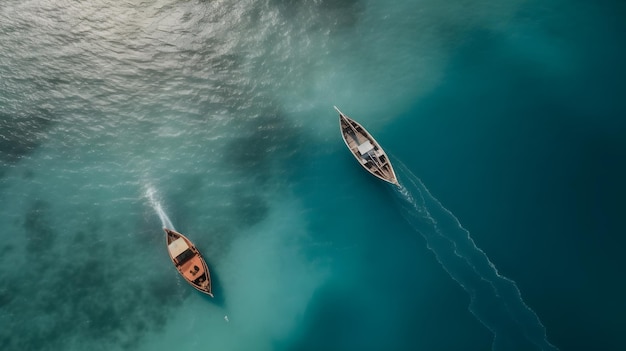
(505, 122)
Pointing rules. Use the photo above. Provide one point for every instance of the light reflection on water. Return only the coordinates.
(212, 102)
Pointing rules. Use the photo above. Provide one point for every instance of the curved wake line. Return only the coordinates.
(151, 195)
(495, 300)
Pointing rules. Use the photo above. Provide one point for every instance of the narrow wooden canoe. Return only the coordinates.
(188, 261)
(366, 149)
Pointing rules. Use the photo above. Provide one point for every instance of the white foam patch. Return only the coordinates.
(151, 193)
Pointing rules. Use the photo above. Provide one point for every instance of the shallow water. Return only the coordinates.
(216, 116)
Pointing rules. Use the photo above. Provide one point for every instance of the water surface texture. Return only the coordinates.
(505, 121)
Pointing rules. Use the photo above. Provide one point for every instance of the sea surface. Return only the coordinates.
(505, 121)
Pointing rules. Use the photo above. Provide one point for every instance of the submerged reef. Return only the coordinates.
(88, 289)
(21, 135)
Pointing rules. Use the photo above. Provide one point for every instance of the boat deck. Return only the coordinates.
(188, 261)
(366, 149)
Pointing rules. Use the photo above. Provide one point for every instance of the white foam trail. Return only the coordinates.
(165, 220)
(494, 299)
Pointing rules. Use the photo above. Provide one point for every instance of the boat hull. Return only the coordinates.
(188, 261)
(366, 149)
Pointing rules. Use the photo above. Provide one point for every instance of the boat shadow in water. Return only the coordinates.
(217, 288)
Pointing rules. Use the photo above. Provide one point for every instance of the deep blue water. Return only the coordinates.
(506, 124)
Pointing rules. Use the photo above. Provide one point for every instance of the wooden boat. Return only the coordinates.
(366, 149)
(188, 261)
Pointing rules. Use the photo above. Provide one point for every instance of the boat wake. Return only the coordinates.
(494, 299)
(151, 195)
